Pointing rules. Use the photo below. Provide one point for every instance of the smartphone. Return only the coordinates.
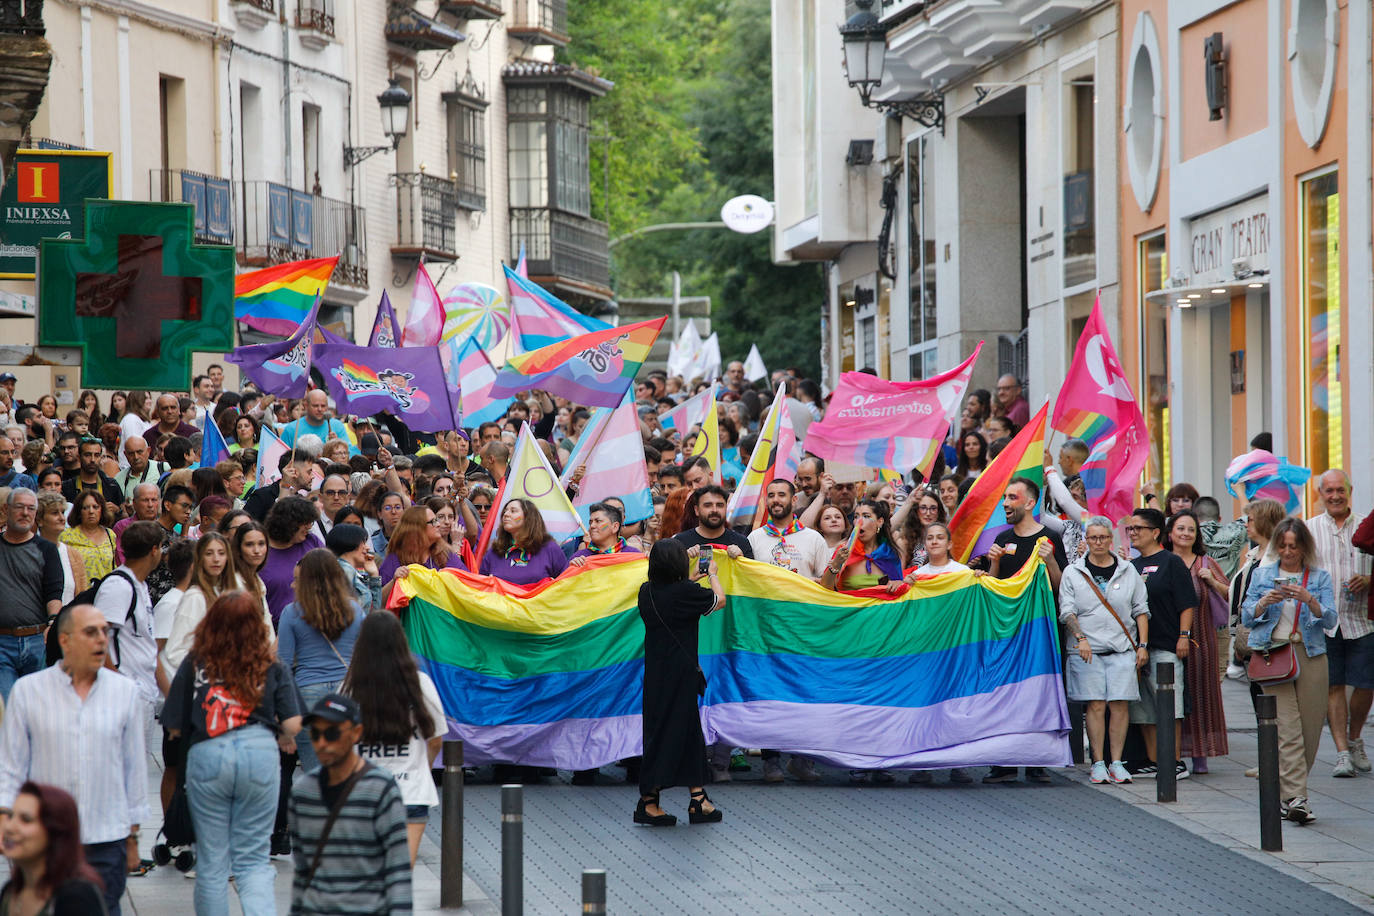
(1280, 581)
(704, 561)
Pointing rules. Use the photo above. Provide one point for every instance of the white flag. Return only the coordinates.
(684, 351)
(754, 369)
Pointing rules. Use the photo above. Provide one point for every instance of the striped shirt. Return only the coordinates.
(92, 748)
(1339, 557)
(365, 868)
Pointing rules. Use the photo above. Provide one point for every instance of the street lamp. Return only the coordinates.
(865, 47)
(395, 103)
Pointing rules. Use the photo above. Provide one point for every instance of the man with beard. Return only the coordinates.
(1010, 551)
(710, 530)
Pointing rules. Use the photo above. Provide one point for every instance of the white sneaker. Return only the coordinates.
(1235, 672)
(1299, 812)
(1118, 773)
(1344, 768)
(1099, 773)
(1357, 755)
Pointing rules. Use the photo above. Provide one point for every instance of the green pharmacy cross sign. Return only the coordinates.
(137, 295)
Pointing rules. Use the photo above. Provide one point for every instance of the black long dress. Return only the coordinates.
(674, 749)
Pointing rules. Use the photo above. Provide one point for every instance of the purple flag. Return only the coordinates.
(281, 368)
(408, 383)
(386, 330)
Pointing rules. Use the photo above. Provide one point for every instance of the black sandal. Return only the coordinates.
(695, 814)
(642, 815)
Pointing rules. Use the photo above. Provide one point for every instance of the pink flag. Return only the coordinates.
(690, 412)
(1097, 405)
(894, 425)
(425, 320)
(521, 267)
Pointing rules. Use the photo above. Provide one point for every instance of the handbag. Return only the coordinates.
(1218, 608)
(1276, 664)
(701, 675)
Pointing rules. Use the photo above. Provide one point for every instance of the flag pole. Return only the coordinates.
(309, 338)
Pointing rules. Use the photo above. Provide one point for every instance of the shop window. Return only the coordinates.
(1153, 270)
(1321, 322)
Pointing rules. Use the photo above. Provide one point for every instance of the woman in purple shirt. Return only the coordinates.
(416, 541)
(523, 552)
(290, 525)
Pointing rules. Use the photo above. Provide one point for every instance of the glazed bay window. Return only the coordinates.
(467, 143)
(1320, 289)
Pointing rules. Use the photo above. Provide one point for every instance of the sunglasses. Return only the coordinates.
(1134, 528)
(330, 734)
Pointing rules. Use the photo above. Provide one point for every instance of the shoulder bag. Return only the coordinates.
(1277, 664)
(701, 675)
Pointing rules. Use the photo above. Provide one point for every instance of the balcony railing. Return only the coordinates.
(21, 17)
(316, 16)
(539, 21)
(254, 13)
(266, 6)
(426, 210)
(269, 223)
(561, 245)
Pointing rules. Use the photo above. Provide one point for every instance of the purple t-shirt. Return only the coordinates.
(279, 571)
(393, 563)
(546, 563)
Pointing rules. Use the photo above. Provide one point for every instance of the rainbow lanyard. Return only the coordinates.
(778, 533)
(517, 557)
(618, 546)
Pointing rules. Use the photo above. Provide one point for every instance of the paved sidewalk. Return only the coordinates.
(1333, 853)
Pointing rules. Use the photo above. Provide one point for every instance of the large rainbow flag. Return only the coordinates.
(957, 671)
(593, 369)
(276, 300)
(981, 517)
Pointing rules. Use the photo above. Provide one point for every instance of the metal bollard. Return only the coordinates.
(594, 891)
(1076, 710)
(1166, 752)
(1271, 820)
(512, 850)
(451, 829)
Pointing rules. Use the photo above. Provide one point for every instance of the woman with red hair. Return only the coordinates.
(42, 840)
(236, 705)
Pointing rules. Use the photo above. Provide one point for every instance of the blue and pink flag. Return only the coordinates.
(386, 329)
(425, 321)
(538, 318)
(1097, 405)
(875, 423)
(691, 412)
(408, 383)
(270, 450)
(213, 448)
(981, 515)
(281, 368)
(471, 370)
(521, 267)
(612, 451)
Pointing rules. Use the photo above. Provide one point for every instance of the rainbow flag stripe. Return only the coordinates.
(276, 300)
(1088, 425)
(981, 517)
(593, 369)
(957, 671)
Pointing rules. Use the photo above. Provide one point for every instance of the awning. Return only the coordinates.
(1210, 294)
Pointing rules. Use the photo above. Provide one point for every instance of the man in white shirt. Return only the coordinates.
(784, 541)
(78, 726)
(334, 495)
(1350, 648)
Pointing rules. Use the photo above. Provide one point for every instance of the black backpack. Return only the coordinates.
(87, 596)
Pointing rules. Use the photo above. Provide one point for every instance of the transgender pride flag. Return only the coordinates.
(538, 318)
(473, 373)
(612, 451)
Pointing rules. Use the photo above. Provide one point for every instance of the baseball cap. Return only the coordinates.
(334, 707)
(8, 377)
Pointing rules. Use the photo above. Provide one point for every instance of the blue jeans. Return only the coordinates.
(310, 694)
(111, 863)
(19, 655)
(231, 785)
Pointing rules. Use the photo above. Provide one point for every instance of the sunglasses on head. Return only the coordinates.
(330, 734)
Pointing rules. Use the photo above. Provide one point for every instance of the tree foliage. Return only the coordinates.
(691, 122)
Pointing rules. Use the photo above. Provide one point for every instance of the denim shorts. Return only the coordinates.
(417, 814)
(1351, 661)
(1106, 677)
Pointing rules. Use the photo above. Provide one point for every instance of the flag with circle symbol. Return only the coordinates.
(478, 312)
(530, 477)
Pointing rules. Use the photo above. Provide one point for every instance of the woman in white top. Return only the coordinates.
(135, 422)
(403, 720)
(212, 576)
(938, 562)
(52, 521)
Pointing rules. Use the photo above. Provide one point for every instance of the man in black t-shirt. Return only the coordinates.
(1010, 551)
(1173, 605)
(711, 530)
